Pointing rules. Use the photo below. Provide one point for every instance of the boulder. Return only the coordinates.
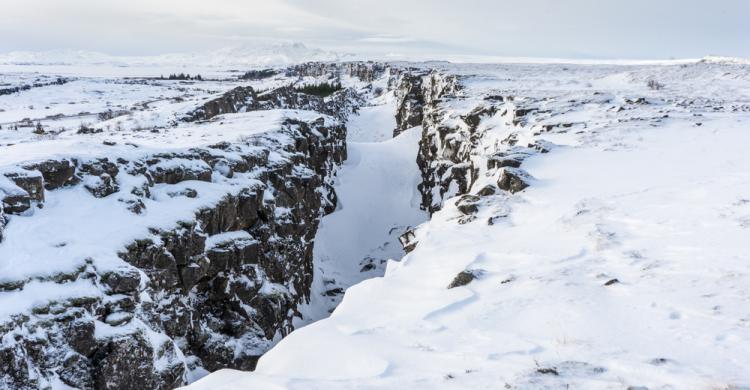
(19, 190)
(123, 281)
(101, 186)
(468, 204)
(408, 240)
(31, 182)
(513, 180)
(464, 277)
(56, 173)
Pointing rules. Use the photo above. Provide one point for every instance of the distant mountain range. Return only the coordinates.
(261, 54)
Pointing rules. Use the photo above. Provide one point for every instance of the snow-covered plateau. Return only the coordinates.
(327, 225)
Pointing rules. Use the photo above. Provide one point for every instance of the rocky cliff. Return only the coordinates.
(214, 290)
(219, 286)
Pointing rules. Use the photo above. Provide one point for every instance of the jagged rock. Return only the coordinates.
(100, 167)
(30, 182)
(233, 254)
(511, 159)
(194, 272)
(473, 118)
(14, 370)
(75, 372)
(233, 212)
(225, 303)
(56, 173)
(3, 222)
(101, 186)
(16, 203)
(136, 206)
(177, 170)
(411, 101)
(125, 363)
(23, 190)
(487, 190)
(231, 102)
(123, 281)
(611, 282)
(467, 204)
(464, 277)
(366, 72)
(408, 240)
(513, 180)
(102, 180)
(80, 336)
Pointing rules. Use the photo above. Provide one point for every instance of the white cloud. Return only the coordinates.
(615, 28)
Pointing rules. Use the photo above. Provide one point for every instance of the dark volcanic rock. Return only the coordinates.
(30, 189)
(408, 241)
(230, 102)
(213, 291)
(464, 277)
(56, 173)
(170, 171)
(123, 281)
(513, 180)
(127, 363)
(411, 101)
(3, 221)
(468, 204)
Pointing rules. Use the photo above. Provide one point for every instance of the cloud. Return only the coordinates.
(593, 28)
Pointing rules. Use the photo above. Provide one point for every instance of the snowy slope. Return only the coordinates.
(624, 265)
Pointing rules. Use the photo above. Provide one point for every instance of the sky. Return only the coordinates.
(637, 29)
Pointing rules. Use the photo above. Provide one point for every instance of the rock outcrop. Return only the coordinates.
(215, 291)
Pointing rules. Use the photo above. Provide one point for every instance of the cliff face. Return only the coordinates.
(215, 288)
(456, 155)
(208, 255)
(214, 291)
(221, 284)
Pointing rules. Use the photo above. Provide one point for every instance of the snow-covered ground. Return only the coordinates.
(625, 265)
(378, 201)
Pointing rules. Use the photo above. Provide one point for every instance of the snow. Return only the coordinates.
(39, 294)
(256, 54)
(378, 201)
(624, 265)
(375, 123)
(355, 242)
(218, 239)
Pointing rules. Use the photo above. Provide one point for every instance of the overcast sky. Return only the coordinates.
(539, 28)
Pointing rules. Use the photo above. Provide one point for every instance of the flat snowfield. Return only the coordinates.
(625, 264)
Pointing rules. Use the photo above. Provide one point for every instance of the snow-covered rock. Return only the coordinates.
(621, 265)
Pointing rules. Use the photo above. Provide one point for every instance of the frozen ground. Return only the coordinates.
(378, 201)
(625, 265)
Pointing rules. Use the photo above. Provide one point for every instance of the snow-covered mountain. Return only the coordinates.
(376, 225)
(257, 54)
